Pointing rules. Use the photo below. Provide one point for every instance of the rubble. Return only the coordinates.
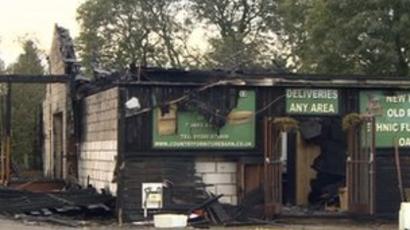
(50, 219)
(37, 185)
(49, 206)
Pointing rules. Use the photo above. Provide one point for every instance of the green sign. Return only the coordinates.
(392, 113)
(190, 130)
(312, 101)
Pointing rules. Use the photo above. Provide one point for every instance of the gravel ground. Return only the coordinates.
(291, 224)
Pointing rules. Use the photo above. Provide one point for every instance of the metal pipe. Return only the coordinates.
(398, 170)
(372, 162)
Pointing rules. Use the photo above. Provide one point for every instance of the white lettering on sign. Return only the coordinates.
(396, 112)
(312, 101)
(298, 107)
(387, 127)
(396, 99)
(404, 141)
(391, 110)
(312, 93)
(312, 108)
(323, 108)
(405, 127)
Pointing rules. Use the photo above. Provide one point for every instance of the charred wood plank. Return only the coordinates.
(17, 78)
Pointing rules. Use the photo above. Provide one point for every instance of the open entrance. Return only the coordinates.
(317, 166)
(21, 127)
(305, 166)
(58, 145)
(21, 131)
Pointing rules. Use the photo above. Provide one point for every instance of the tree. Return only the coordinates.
(347, 36)
(26, 102)
(242, 33)
(117, 33)
(2, 67)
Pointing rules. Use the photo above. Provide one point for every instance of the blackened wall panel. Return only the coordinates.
(182, 191)
(138, 127)
(387, 190)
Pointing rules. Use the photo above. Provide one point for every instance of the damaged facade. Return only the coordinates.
(266, 142)
(59, 153)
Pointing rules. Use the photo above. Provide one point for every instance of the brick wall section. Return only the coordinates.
(220, 175)
(99, 147)
(55, 102)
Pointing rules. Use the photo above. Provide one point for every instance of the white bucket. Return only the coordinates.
(404, 216)
(170, 221)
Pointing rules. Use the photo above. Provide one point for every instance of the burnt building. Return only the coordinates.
(265, 141)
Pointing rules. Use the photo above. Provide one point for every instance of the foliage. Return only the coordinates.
(26, 102)
(117, 33)
(146, 32)
(351, 120)
(242, 33)
(2, 68)
(347, 36)
(316, 36)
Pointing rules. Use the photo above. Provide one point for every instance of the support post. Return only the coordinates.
(7, 136)
(3, 142)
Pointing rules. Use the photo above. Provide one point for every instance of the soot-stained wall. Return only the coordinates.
(56, 104)
(183, 189)
(138, 142)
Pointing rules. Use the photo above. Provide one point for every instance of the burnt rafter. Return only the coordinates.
(17, 78)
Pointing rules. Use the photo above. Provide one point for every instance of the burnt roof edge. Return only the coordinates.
(286, 82)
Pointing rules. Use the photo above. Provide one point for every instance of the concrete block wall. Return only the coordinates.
(99, 146)
(221, 176)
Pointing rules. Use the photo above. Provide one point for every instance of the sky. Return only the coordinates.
(33, 19)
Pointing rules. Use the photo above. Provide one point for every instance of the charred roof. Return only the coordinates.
(177, 77)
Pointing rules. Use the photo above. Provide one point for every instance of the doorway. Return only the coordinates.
(330, 168)
(327, 170)
(314, 173)
(58, 149)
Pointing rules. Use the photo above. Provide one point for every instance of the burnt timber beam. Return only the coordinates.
(286, 82)
(17, 78)
(7, 135)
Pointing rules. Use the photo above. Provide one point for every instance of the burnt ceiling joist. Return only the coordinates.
(16, 78)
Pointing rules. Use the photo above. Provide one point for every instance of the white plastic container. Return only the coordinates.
(170, 221)
(404, 216)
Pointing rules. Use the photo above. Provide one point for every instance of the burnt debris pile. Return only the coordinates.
(42, 205)
(183, 193)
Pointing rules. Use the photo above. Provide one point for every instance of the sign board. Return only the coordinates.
(190, 130)
(392, 113)
(312, 101)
